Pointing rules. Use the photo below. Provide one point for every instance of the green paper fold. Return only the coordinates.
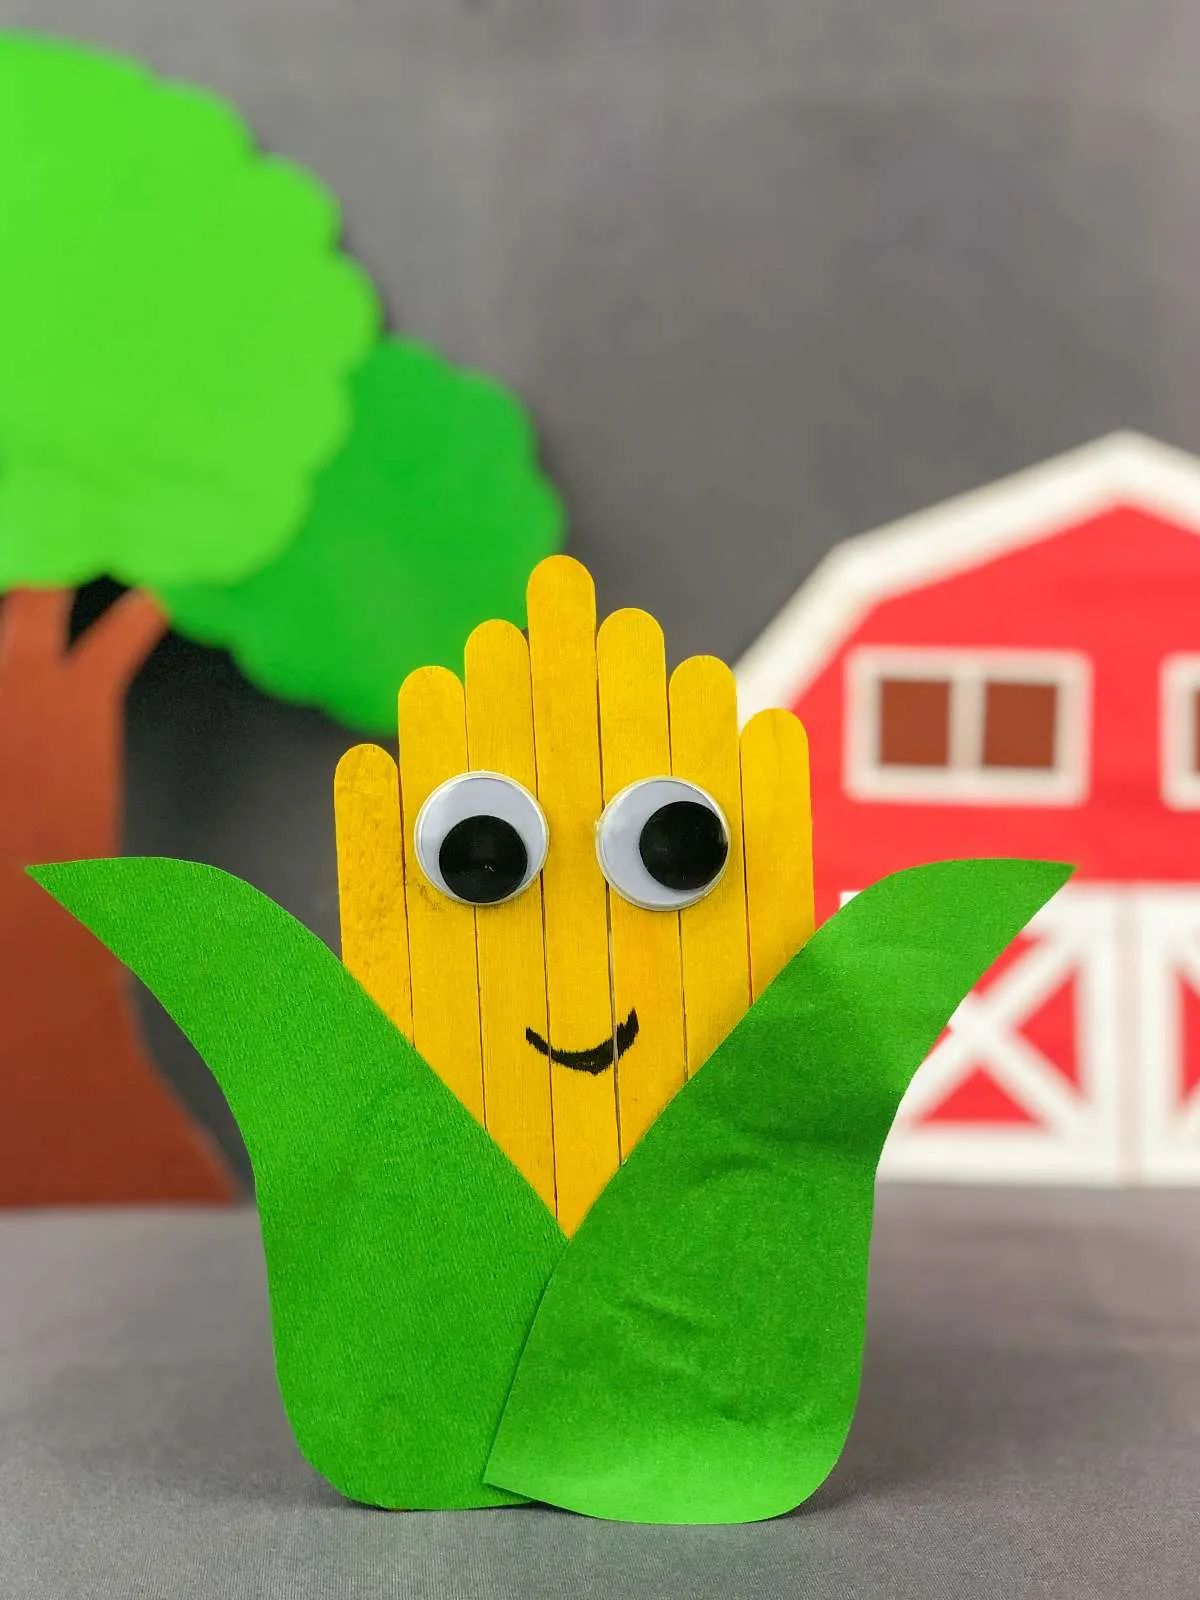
(405, 1253)
(696, 1354)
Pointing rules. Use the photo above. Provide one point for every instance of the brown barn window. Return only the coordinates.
(974, 727)
(1180, 736)
(1020, 722)
(914, 722)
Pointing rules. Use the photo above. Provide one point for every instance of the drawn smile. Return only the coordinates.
(596, 1060)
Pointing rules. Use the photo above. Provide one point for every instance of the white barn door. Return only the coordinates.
(1067, 1122)
(1167, 922)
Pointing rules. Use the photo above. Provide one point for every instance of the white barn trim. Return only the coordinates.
(958, 534)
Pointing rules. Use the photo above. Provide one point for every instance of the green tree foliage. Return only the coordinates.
(427, 521)
(176, 327)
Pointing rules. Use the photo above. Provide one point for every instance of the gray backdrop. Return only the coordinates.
(769, 273)
(1029, 1428)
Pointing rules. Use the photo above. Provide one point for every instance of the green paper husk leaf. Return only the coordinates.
(696, 1355)
(405, 1253)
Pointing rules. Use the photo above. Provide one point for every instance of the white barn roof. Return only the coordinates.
(859, 573)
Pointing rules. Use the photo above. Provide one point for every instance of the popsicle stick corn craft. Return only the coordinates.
(568, 1197)
(576, 878)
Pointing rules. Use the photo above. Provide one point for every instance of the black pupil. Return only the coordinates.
(683, 845)
(483, 859)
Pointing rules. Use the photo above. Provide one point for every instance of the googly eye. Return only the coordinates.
(662, 843)
(481, 838)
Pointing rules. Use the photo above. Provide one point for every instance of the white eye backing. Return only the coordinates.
(663, 843)
(481, 838)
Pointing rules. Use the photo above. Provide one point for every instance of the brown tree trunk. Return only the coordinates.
(84, 1117)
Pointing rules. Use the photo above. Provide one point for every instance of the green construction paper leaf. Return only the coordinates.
(176, 322)
(696, 1355)
(428, 521)
(405, 1253)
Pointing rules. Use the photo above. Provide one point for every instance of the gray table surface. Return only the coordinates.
(1029, 1426)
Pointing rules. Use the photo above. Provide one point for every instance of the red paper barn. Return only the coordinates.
(1017, 672)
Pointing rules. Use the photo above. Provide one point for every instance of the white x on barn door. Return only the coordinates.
(1168, 1033)
(1069, 1126)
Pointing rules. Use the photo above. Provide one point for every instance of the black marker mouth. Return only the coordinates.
(596, 1060)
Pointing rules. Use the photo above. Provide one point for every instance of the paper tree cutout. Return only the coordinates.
(429, 518)
(691, 1353)
(183, 355)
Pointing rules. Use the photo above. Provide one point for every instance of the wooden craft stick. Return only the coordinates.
(508, 937)
(777, 822)
(562, 650)
(647, 976)
(704, 750)
(370, 860)
(441, 931)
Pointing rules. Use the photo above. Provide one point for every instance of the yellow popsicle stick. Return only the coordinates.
(441, 931)
(777, 820)
(508, 937)
(562, 653)
(704, 750)
(370, 860)
(634, 744)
